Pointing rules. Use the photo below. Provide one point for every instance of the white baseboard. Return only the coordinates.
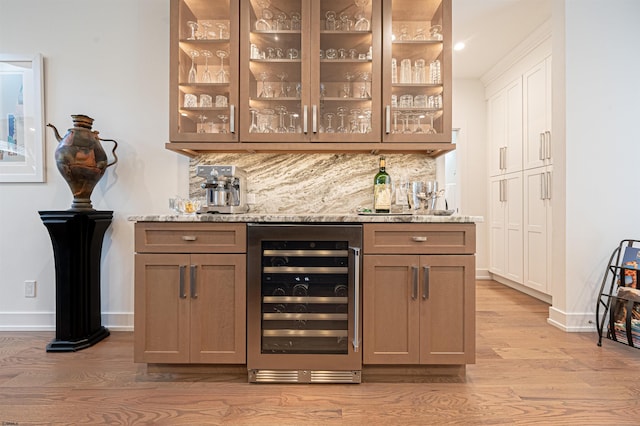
(523, 289)
(46, 321)
(578, 322)
(483, 274)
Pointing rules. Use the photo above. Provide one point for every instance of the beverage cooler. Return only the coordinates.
(303, 307)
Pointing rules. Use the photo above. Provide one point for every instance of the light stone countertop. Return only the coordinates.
(307, 218)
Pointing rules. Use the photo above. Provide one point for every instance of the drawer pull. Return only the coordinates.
(189, 238)
(419, 239)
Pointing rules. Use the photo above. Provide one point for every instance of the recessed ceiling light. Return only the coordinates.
(459, 45)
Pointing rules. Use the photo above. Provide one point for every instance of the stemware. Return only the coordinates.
(364, 92)
(263, 78)
(354, 126)
(346, 91)
(346, 23)
(267, 119)
(292, 123)
(192, 71)
(254, 123)
(342, 113)
(222, 31)
(431, 130)
(295, 21)
(282, 22)
(283, 91)
(194, 27)
(264, 23)
(329, 128)
(202, 119)
(330, 22)
(224, 118)
(206, 75)
(362, 23)
(222, 75)
(282, 110)
(418, 117)
(436, 32)
(205, 29)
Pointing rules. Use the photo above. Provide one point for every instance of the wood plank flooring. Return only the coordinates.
(527, 373)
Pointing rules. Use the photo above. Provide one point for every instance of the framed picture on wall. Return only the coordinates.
(21, 118)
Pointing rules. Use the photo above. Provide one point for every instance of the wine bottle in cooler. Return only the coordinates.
(382, 189)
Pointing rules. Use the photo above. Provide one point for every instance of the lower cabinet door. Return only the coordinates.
(162, 308)
(419, 309)
(447, 309)
(391, 329)
(218, 309)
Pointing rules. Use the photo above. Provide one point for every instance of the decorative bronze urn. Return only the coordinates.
(81, 160)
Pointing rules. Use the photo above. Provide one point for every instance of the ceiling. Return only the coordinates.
(490, 29)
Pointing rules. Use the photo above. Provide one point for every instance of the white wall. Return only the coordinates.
(596, 89)
(109, 60)
(469, 116)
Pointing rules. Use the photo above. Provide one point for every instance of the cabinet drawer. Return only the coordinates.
(153, 237)
(431, 238)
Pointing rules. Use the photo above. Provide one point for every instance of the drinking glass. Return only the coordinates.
(418, 117)
(354, 125)
(205, 30)
(202, 119)
(267, 119)
(295, 21)
(283, 91)
(405, 71)
(364, 92)
(292, 123)
(222, 31)
(431, 130)
(417, 195)
(263, 77)
(206, 75)
(282, 110)
(194, 27)
(346, 89)
(329, 116)
(192, 71)
(222, 75)
(330, 22)
(436, 32)
(254, 123)
(362, 23)
(264, 23)
(342, 113)
(224, 118)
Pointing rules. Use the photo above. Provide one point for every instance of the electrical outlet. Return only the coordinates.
(30, 288)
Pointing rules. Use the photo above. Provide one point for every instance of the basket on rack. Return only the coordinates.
(618, 305)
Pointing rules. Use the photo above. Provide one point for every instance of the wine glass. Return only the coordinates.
(342, 112)
(418, 117)
(206, 75)
(330, 22)
(282, 110)
(263, 77)
(362, 23)
(194, 27)
(282, 76)
(205, 29)
(202, 119)
(355, 116)
(264, 23)
(436, 32)
(431, 130)
(222, 31)
(222, 75)
(329, 116)
(267, 113)
(254, 123)
(192, 71)
(349, 76)
(364, 92)
(224, 118)
(292, 122)
(396, 114)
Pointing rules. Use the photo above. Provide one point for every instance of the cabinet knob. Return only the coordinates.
(189, 238)
(419, 239)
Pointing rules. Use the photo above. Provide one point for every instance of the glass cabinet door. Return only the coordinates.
(274, 77)
(308, 70)
(204, 63)
(417, 70)
(346, 81)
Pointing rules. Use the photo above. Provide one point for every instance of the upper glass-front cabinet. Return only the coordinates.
(311, 75)
(308, 69)
(204, 65)
(417, 70)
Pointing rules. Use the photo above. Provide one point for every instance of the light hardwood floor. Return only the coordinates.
(527, 372)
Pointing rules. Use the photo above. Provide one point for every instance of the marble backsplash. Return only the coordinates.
(314, 183)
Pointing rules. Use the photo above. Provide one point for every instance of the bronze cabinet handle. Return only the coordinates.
(192, 277)
(189, 238)
(425, 282)
(181, 290)
(414, 293)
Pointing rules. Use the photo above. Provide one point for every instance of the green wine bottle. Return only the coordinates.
(382, 189)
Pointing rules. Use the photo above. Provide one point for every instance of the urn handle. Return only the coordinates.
(113, 151)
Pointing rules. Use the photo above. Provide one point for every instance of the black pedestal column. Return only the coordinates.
(77, 247)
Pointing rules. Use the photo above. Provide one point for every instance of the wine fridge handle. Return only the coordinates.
(181, 291)
(192, 278)
(356, 297)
